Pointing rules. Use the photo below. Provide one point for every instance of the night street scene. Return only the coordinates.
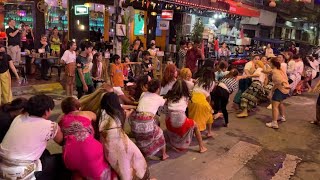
(159, 89)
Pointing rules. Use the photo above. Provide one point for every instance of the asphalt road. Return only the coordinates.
(246, 149)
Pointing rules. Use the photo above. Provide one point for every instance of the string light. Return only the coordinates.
(182, 5)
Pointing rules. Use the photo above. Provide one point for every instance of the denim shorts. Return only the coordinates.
(279, 96)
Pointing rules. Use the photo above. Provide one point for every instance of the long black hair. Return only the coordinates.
(306, 62)
(179, 90)
(140, 83)
(206, 77)
(111, 105)
(16, 104)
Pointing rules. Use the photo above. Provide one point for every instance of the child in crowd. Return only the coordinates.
(147, 65)
(84, 81)
(97, 70)
(116, 73)
(222, 70)
(118, 70)
(128, 70)
(180, 127)
(69, 58)
(149, 136)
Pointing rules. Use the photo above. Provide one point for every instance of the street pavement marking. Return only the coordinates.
(288, 168)
(226, 166)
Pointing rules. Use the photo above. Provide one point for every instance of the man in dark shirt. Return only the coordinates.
(14, 40)
(5, 78)
(147, 65)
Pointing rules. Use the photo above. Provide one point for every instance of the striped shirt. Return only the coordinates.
(231, 83)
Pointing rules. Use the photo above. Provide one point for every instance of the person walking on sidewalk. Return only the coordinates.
(5, 77)
(14, 41)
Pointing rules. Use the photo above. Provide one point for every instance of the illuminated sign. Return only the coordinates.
(167, 15)
(138, 25)
(81, 10)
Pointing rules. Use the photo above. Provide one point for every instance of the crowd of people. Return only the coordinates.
(91, 127)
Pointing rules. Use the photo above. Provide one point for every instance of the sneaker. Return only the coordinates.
(270, 106)
(273, 125)
(282, 119)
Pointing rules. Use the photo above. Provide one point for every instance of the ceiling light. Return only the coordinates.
(153, 13)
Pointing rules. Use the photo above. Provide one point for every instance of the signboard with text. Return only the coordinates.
(167, 15)
(164, 25)
(81, 10)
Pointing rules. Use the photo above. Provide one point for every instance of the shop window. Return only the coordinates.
(249, 33)
(277, 32)
(265, 32)
(298, 34)
(21, 12)
(288, 33)
(96, 17)
(57, 15)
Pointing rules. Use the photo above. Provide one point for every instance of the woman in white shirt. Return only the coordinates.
(26, 141)
(180, 128)
(251, 97)
(284, 66)
(199, 109)
(269, 51)
(295, 76)
(148, 135)
(69, 58)
(248, 70)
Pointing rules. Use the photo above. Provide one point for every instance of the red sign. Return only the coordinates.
(167, 15)
(242, 9)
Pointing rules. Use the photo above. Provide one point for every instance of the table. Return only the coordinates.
(45, 65)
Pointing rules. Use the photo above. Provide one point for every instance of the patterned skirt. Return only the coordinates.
(148, 135)
(180, 129)
(251, 97)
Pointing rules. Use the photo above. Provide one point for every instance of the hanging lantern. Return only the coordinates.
(59, 4)
(272, 3)
(213, 1)
(239, 4)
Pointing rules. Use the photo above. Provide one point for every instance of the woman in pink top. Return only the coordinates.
(82, 153)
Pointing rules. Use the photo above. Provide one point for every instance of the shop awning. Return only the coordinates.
(242, 9)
